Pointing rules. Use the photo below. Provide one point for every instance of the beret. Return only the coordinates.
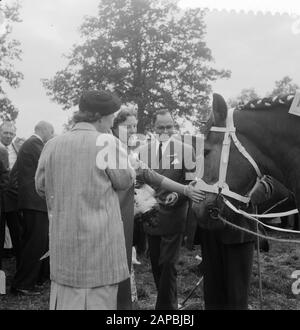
(102, 102)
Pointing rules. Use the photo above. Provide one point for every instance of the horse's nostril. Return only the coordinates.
(214, 213)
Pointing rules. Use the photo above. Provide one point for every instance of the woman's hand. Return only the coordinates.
(135, 162)
(195, 194)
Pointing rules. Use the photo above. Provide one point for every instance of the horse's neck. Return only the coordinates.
(274, 141)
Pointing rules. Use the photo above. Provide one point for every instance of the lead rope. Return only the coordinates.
(259, 265)
(254, 217)
(278, 240)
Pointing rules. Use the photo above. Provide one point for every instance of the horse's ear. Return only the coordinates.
(219, 109)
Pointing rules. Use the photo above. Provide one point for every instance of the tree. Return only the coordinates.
(246, 95)
(284, 86)
(9, 52)
(149, 52)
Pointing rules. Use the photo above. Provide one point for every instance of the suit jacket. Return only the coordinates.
(87, 245)
(10, 195)
(24, 171)
(4, 173)
(4, 157)
(177, 164)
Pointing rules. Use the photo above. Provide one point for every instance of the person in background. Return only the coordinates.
(32, 272)
(4, 179)
(125, 127)
(10, 211)
(87, 246)
(166, 238)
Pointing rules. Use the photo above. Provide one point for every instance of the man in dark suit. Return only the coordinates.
(228, 253)
(4, 174)
(175, 160)
(10, 211)
(35, 223)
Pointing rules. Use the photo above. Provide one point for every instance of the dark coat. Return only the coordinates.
(4, 173)
(10, 196)
(24, 171)
(171, 219)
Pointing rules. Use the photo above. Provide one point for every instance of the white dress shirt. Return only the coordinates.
(164, 145)
(12, 155)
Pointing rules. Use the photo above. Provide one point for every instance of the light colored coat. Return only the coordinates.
(87, 246)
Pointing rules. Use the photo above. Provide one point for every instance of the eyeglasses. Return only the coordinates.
(167, 127)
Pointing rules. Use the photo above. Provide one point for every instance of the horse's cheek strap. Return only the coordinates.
(224, 160)
(245, 153)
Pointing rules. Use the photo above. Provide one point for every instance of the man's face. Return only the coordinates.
(7, 134)
(164, 126)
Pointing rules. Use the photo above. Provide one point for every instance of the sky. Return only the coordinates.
(258, 49)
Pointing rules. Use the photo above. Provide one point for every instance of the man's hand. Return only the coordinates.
(171, 199)
(195, 194)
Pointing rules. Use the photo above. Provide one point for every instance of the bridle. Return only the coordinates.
(221, 187)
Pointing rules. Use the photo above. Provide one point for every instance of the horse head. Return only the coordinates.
(240, 175)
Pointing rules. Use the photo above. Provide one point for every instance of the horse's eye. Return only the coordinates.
(206, 152)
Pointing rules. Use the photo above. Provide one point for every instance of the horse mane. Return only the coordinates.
(267, 103)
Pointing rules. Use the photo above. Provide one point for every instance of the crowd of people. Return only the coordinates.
(23, 211)
(56, 197)
(70, 212)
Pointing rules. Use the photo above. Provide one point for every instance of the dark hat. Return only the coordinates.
(102, 102)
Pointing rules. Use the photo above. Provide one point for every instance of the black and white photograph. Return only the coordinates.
(149, 157)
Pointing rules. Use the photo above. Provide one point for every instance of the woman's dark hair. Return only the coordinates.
(123, 115)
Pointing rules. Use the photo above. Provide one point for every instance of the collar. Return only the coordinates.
(10, 147)
(164, 144)
(83, 126)
(38, 137)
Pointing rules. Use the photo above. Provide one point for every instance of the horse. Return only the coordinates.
(266, 141)
(246, 152)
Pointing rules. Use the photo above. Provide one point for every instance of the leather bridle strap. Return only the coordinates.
(224, 160)
(214, 188)
(241, 149)
(229, 135)
(221, 187)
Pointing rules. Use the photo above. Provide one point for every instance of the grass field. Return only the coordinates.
(277, 266)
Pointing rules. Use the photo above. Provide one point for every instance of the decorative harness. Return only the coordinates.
(221, 188)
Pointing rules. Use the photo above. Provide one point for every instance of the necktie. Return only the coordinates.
(9, 156)
(160, 152)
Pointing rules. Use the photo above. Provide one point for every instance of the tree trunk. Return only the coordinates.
(141, 121)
